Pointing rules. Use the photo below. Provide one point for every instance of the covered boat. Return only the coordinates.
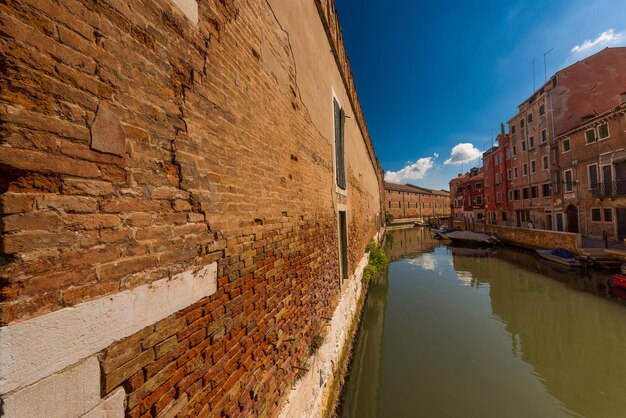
(472, 237)
(561, 256)
(441, 232)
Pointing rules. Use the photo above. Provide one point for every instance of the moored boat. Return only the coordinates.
(561, 256)
(472, 237)
(441, 232)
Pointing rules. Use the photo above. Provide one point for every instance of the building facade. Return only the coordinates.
(592, 173)
(468, 196)
(184, 215)
(409, 201)
(532, 175)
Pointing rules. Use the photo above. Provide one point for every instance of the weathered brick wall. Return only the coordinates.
(137, 145)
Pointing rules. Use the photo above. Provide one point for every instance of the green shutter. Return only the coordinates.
(340, 146)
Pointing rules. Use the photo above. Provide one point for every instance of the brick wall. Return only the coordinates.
(138, 145)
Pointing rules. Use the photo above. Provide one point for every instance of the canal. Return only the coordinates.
(448, 333)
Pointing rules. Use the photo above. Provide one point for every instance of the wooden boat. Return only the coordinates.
(422, 223)
(561, 256)
(470, 237)
(441, 232)
(618, 280)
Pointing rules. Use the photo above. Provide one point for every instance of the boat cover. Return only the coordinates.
(563, 253)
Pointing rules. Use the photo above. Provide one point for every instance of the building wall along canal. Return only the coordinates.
(178, 180)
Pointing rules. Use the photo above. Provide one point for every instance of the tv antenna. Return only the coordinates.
(534, 88)
(545, 72)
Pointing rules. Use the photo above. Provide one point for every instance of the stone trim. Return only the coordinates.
(37, 348)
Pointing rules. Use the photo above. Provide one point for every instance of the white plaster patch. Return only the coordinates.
(307, 397)
(71, 392)
(189, 9)
(39, 347)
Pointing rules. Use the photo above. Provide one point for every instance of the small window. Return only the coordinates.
(515, 172)
(479, 186)
(513, 129)
(569, 180)
(595, 215)
(566, 145)
(534, 192)
(533, 168)
(530, 118)
(479, 200)
(608, 215)
(504, 216)
(521, 123)
(523, 146)
(510, 194)
(544, 163)
(544, 136)
(546, 189)
(516, 194)
(531, 142)
(603, 131)
(590, 135)
(514, 150)
(508, 174)
(526, 193)
(525, 169)
(542, 110)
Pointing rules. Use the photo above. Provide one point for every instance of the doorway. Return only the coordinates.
(572, 218)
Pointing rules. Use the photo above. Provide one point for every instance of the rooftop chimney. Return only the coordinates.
(502, 127)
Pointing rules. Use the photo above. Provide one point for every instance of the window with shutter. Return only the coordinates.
(339, 146)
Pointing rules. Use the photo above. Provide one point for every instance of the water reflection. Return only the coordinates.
(455, 333)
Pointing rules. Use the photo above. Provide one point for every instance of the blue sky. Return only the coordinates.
(435, 79)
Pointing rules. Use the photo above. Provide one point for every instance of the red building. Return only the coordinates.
(497, 172)
(467, 195)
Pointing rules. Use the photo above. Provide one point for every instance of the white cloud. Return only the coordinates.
(609, 37)
(463, 153)
(425, 261)
(412, 171)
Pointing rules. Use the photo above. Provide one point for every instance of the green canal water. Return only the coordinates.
(451, 334)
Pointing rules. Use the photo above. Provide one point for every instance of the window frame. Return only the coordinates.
(565, 183)
(591, 217)
(545, 163)
(589, 184)
(569, 145)
(339, 142)
(608, 133)
(595, 138)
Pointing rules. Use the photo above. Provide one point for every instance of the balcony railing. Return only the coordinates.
(609, 188)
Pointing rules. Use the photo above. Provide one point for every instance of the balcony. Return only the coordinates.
(609, 189)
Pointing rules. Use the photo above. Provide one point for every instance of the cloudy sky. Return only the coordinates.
(436, 78)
